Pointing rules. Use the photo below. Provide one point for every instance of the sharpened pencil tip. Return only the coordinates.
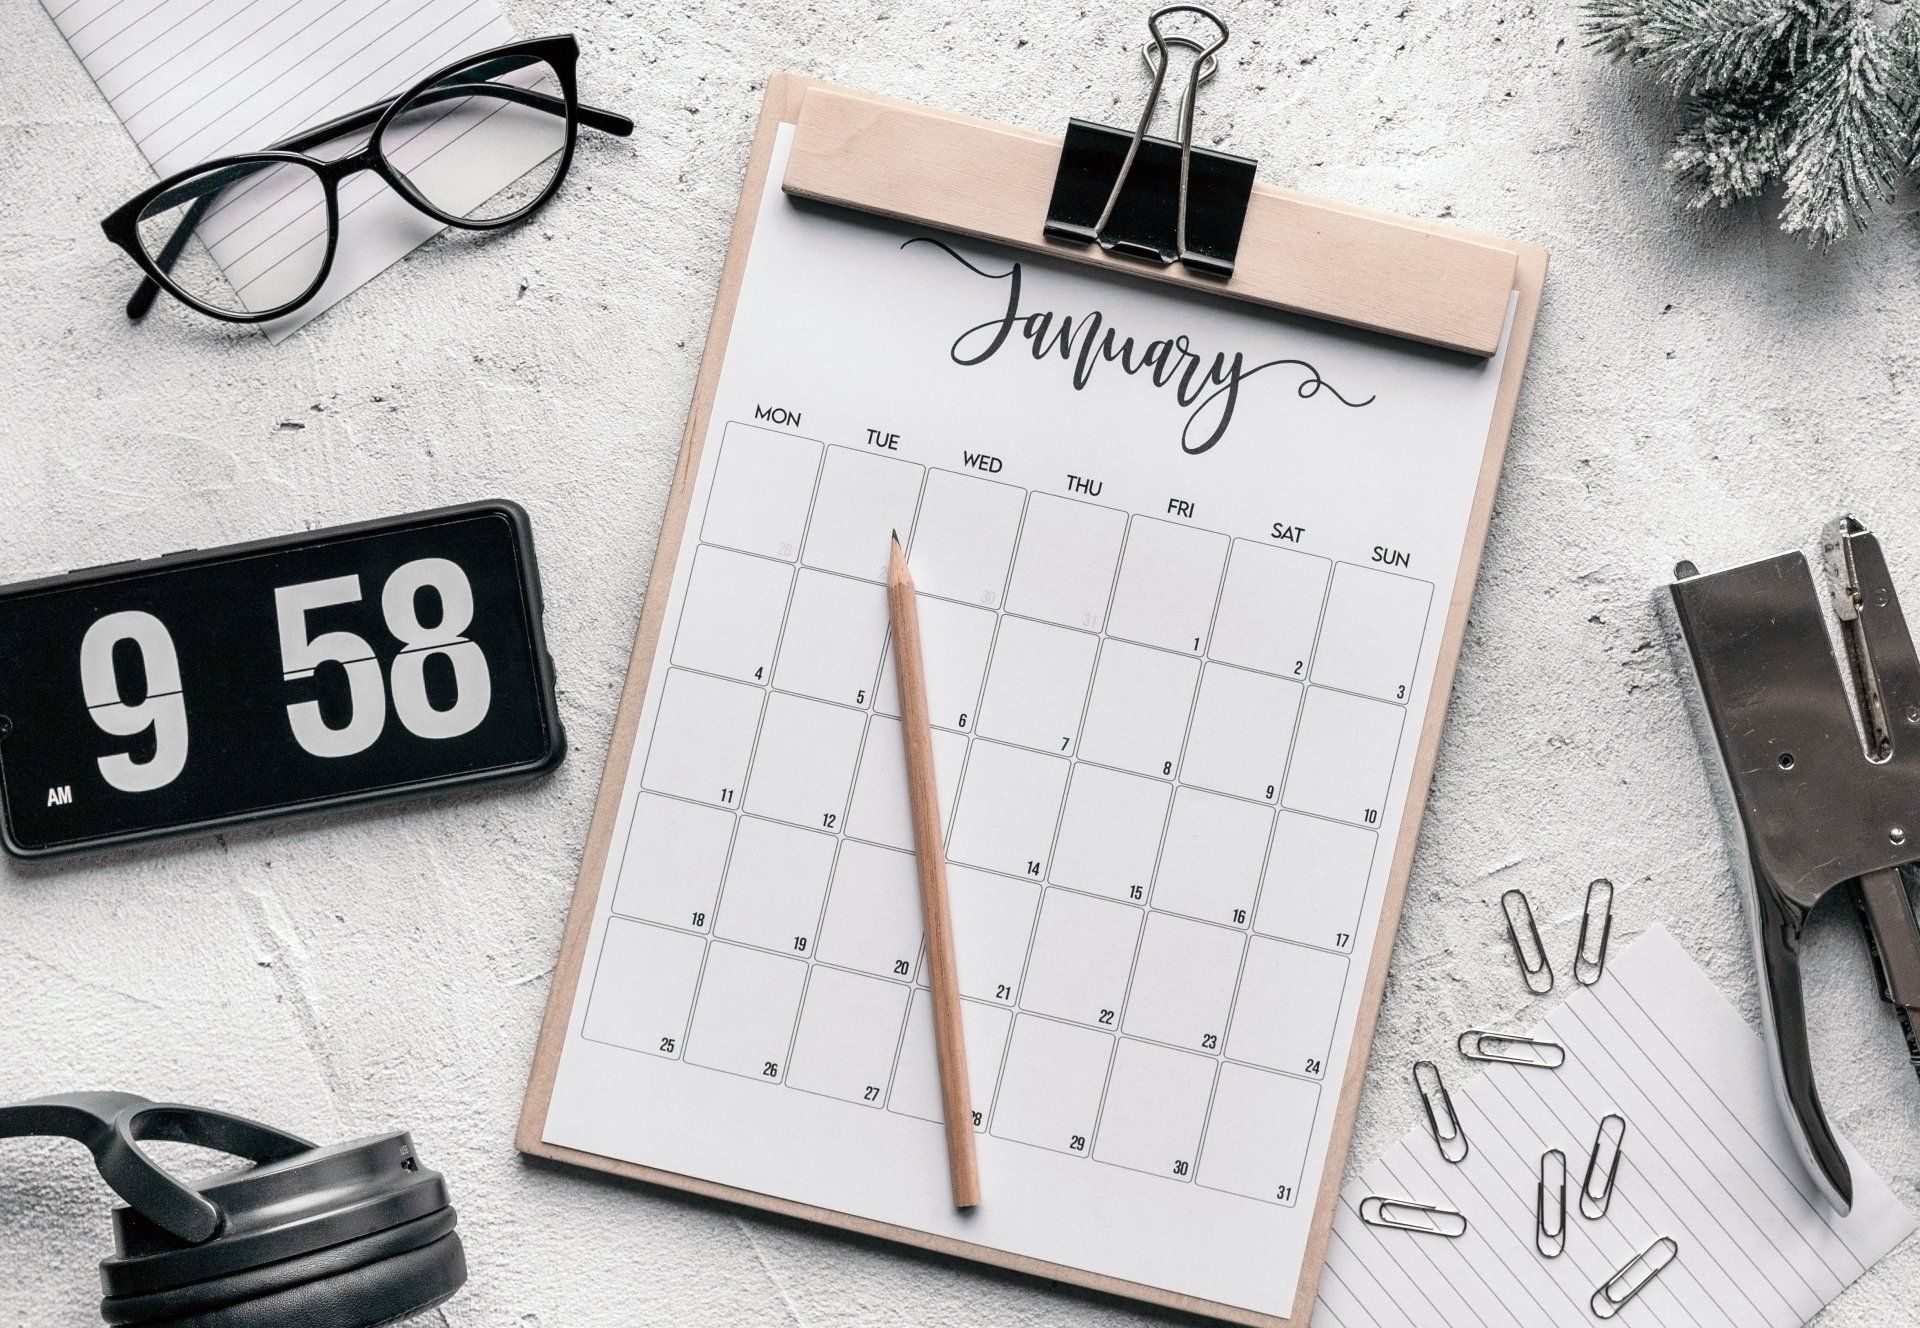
(896, 537)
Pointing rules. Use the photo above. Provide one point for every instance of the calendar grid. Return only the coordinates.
(876, 843)
(793, 1035)
(600, 971)
(773, 723)
(773, 679)
(1000, 598)
(1235, 548)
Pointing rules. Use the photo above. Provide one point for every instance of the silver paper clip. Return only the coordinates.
(1550, 1238)
(1535, 967)
(1477, 1044)
(1588, 966)
(1405, 1215)
(1438, 1103)
(1633, 1277)
(1606, 1143)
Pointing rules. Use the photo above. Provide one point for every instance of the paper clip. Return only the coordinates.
(1406, 1215)
(1537, 968)
(1438, 1102)
(1477, 1044)
(1593, 1203)
(1550, 1240)
(1587, 969)
(1617, 1290)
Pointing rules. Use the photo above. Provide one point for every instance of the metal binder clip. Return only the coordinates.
(1441, 1119)
(1550, 1238)
(1608, 1144)
(1377, 1210)
(1821, 795)
(1588, 966)
(1479, 1045)
(1149, 197)
(1633, 1277)
(1535, 968)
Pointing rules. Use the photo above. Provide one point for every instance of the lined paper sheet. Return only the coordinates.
(1708, 1161)
(197, 79)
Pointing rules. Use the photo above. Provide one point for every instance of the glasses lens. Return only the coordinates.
(482, 143)
(248, 237)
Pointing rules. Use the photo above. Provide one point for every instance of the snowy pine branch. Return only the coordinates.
(1851, 131)
(1703, 48)
(1816, 97)
(1734, 146)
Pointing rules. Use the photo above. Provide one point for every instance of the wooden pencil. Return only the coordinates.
(923, 793)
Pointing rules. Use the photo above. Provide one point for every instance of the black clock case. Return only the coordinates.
(555, 752)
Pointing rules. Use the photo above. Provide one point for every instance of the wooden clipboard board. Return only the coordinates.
(1412, 279)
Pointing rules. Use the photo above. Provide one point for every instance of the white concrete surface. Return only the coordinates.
(1709, 390)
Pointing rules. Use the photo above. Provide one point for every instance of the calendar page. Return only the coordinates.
(1183, 571)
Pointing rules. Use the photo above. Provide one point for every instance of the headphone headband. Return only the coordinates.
(350, 1235)
(112, 1126)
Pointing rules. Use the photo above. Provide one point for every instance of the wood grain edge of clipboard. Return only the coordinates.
(782, 103)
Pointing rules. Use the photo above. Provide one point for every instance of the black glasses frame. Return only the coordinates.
(561, 52)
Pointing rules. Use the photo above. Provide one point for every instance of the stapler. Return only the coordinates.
(1821, 782)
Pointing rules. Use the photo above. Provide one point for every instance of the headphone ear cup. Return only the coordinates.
(382, 1279)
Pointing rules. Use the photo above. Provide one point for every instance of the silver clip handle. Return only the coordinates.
(1202, 67)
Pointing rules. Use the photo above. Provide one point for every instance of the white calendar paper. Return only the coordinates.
(1184, 568)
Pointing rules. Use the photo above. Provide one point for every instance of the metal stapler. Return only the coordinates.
(1822, 789)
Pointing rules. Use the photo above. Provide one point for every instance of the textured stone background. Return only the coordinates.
(1706, 389)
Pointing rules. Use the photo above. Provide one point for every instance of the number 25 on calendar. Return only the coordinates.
(164, 710)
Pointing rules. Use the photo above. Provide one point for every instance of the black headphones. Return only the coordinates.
(355, 1235)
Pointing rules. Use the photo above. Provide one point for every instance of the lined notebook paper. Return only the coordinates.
(196, 79)
(1708, 1161)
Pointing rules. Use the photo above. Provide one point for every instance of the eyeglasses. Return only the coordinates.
(250, 237)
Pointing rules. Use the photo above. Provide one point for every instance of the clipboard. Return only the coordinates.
(1405, 278)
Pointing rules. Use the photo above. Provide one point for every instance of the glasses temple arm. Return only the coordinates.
(149, 290)
(593, 117)
(346, 123)
(607, 122)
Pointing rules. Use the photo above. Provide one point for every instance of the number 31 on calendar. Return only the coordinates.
(206, 688)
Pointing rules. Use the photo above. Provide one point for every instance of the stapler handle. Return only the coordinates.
(1777, 925)
(1820, 784)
